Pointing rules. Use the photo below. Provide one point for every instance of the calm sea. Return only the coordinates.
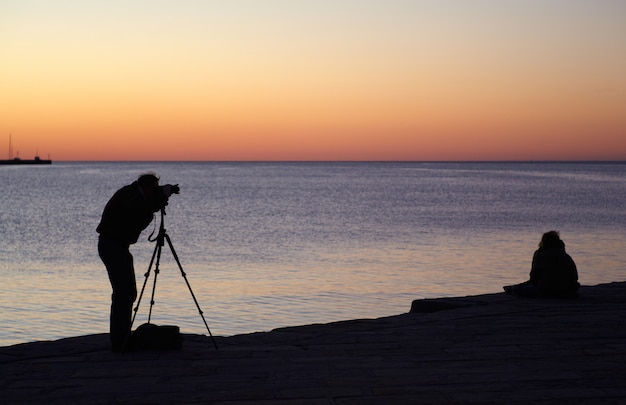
(266, 245)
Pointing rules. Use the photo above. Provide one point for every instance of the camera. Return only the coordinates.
(173, 189)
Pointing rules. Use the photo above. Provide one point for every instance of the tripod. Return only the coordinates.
(160, 241)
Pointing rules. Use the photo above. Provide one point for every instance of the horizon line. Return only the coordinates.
(348, 161)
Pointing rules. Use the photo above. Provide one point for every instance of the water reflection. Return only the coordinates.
(266, 246)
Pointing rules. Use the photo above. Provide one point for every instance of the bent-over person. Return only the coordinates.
(125, 216)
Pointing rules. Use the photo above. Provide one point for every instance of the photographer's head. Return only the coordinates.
(149, 183)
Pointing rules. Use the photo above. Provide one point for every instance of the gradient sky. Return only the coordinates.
(314, 80)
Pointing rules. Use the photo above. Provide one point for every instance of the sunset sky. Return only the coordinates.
(313, 80)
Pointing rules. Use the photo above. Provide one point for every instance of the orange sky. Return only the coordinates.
(314, 80)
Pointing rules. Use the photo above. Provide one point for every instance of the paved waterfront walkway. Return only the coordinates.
(487, 349)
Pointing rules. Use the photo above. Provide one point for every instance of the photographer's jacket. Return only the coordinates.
(128, 213)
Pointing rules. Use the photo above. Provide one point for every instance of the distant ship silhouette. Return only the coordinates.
(18, 161)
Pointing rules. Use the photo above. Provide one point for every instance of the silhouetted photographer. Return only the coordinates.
(125, 216)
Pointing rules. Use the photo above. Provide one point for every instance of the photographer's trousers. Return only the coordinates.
(119, 264)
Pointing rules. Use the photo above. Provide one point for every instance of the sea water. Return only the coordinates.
(266, 245)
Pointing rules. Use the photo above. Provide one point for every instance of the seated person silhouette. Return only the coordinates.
(553, 272)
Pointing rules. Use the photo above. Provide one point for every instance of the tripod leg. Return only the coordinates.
(156, 253)
(156, 274)
(145, 281)
(182, 272)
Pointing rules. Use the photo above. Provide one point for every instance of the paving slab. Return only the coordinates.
(485, 349)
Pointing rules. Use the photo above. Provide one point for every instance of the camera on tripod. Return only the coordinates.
(171, 188)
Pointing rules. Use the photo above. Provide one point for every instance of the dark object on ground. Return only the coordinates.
(154, 337)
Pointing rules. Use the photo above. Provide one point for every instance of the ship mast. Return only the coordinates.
(10, 148)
